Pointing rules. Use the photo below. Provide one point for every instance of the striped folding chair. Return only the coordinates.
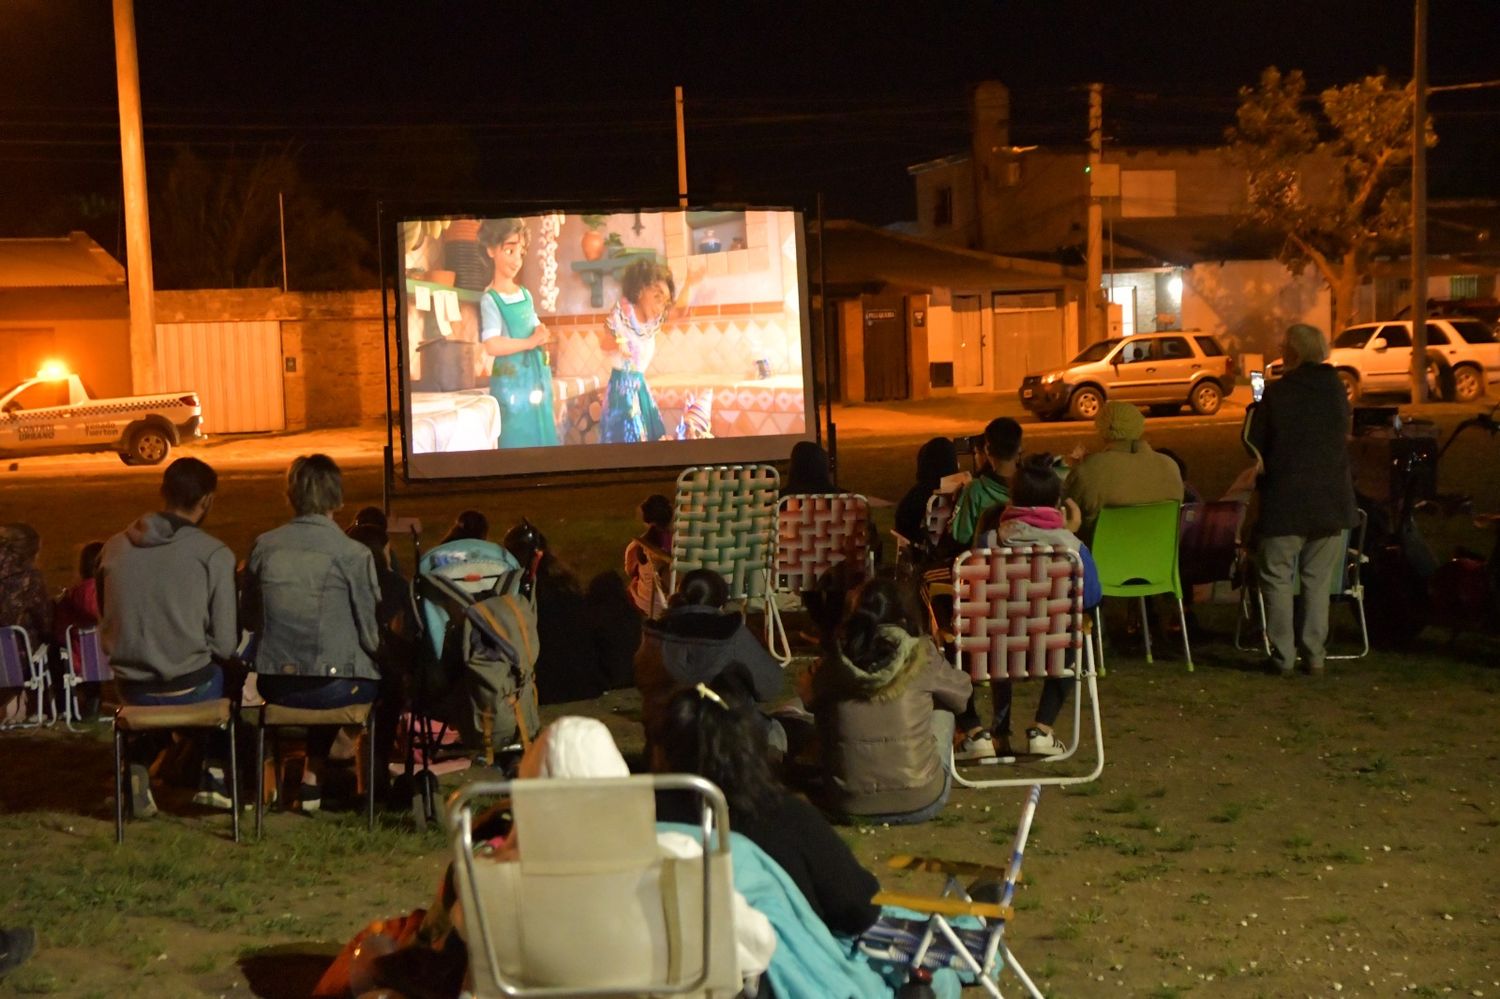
(726, 521)
(940, 507)
(1018, 615)
(86, 664)
(814, 533)
(24, 668)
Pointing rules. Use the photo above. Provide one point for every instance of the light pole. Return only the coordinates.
(137, 219)
(1419, 206)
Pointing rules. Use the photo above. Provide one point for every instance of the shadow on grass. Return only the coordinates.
(287, 971)
(84, 758)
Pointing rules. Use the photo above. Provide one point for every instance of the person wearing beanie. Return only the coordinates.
(1298, 435)
(1126, 472)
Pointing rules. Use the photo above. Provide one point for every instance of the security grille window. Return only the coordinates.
(1463, 286)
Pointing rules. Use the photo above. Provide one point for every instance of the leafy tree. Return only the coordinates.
(216, 225)
(1332, 187)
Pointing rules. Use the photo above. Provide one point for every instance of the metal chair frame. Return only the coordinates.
(120, 739)
(1083, 670)
(32, 660)
(748, 577)
(1348, 584)
(259, 713)
(787, 578)
(76, 673)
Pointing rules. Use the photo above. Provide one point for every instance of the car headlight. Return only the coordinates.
(1052, 376)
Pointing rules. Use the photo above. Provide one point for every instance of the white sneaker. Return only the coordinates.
(975, 749)
(1039, 743)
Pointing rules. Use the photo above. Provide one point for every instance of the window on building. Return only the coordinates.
(1463, 286)
(1148, 193)
(1124, 297)
(942, 207)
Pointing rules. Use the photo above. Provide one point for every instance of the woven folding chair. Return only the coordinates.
(1018, 615)
(86, 664)
(726, 521)
(936, 941)
(24, 668)
(814, 533)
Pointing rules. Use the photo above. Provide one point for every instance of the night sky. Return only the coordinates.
(497, 101)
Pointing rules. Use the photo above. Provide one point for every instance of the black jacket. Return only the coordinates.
(1301, 431)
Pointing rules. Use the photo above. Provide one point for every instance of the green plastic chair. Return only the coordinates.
(1135, 550)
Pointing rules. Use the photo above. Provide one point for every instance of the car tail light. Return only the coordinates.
(189, 400)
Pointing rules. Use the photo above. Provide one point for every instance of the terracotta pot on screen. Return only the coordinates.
(593, 244)
(441, 277)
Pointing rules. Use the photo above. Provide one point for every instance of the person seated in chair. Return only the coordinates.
(884, 701)
(693, 642)
(648, 557)
(998, 449)
(1125, 473)
(1038, 515)
(311, 595)
(167, 619)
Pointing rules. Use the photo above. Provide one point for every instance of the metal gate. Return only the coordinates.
(234, 367)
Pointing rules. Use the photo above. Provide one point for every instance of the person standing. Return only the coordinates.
(1298, 434)
(311, 596)
(167, 616)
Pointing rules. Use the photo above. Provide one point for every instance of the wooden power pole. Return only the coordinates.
(1419, 207)
(1093, 312)
(137, 220)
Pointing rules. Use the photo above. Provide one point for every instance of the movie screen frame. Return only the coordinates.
(710, 362)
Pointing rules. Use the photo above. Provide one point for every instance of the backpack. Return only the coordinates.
(489, 653)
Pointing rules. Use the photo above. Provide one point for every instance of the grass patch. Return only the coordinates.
(1124, 847)
(1228, 814)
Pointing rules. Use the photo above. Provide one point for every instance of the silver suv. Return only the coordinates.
(1164, 371)
(1375, 357)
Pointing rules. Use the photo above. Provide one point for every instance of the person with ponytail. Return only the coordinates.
(713, 730)
(884, 700)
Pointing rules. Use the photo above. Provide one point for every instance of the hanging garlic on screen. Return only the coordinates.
(547, 290)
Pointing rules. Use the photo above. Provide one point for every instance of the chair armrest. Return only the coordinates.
(944, 906)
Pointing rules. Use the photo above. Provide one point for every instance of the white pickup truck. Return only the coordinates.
(54, 414)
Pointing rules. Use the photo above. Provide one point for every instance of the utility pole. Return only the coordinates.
(1093, 311)
(1419, 207)
(137, 220)
(682, 198)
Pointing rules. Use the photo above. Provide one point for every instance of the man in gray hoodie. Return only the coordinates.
(168, 610)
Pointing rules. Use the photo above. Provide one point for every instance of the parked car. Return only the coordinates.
(1164, 371)
(1375, 357)
(54, 414)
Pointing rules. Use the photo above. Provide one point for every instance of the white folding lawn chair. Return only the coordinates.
(726, 521)
(591, 906)
(1018, 615)
(24, 668)
(814, 533)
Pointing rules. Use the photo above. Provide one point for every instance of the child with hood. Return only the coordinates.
(694, 642)
(884, 700)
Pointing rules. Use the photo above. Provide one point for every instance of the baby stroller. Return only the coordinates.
(472, 691)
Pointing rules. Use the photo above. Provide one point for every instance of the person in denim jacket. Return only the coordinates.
(311, 595)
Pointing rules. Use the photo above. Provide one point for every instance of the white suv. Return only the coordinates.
(1375, 357)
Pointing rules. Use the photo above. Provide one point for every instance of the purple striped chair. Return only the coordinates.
(86, 664)
(24, 668)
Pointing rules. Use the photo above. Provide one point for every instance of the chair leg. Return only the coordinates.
(260, 777)
(1099, 636)
(370, 773)
(234, 779)
(1187, 648)
(1146, 630)
(119, 785)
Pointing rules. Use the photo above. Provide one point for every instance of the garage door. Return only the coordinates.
(234, 367)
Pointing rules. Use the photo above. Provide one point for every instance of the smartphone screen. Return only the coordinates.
(1257, 385)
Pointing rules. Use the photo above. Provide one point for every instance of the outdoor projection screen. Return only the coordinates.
(565, 341)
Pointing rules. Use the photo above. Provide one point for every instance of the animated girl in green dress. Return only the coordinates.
(511, 333)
